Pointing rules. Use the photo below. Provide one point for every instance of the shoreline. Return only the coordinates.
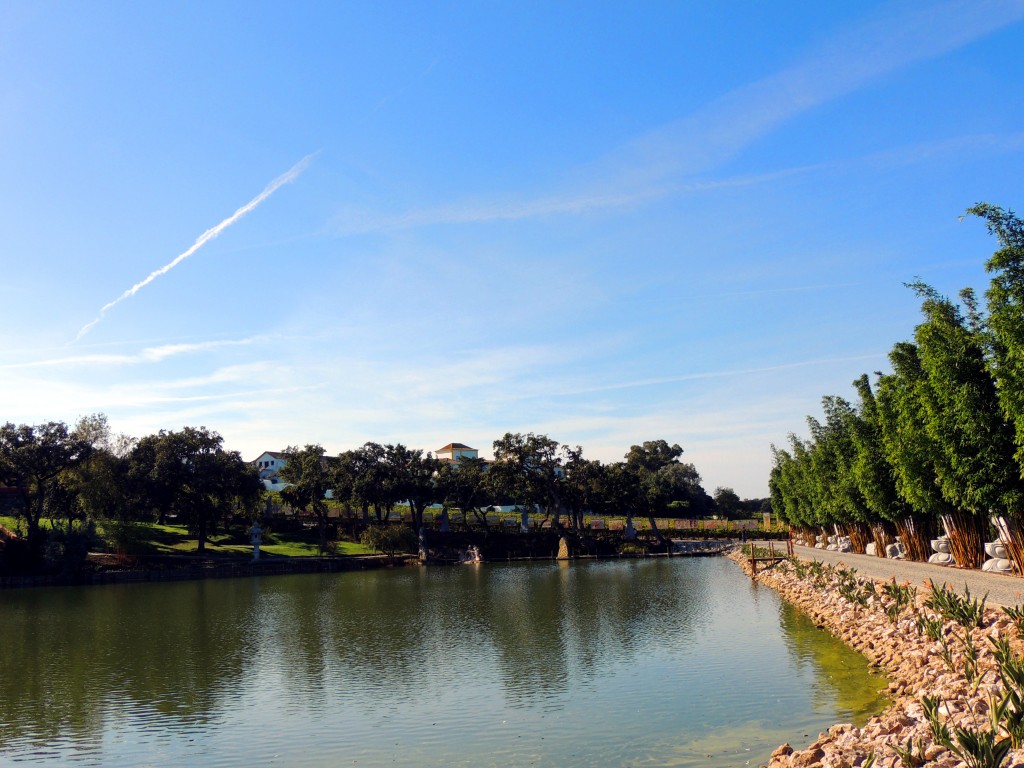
(194, 568)
(912, 662)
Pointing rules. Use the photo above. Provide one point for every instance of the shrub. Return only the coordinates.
(390, 539)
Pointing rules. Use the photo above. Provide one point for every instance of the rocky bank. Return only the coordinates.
(912, 661)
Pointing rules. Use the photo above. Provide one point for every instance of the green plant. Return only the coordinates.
(911, 753)
(970, 660)
(390, 539)
(947, 653)
(1016, 615)
(930, 626)
(851, 591)
(978, 749)
(954, 607)
(900, 595)
(1010, 708)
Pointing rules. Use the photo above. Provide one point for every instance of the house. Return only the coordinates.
(455, 451)
(269, 463)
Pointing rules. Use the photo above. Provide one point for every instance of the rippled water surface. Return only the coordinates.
(679, 662)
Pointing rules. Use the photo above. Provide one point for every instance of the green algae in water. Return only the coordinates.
(841, 677)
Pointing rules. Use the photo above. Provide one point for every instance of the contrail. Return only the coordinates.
(203, 239)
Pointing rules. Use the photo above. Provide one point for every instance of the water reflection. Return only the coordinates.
(635, 661)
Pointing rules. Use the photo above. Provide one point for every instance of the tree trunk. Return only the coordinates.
(657, 533)
(201, 534)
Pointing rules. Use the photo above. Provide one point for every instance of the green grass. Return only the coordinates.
(176, 540)
(154, 539)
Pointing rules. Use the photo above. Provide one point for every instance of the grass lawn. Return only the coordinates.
(176, 540)
(153, 539)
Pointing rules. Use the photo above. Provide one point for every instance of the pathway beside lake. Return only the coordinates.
(1002, 589)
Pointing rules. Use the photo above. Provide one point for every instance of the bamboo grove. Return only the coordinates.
(937, 444)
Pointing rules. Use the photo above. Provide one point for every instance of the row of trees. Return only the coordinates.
(80, 474)
(938, 442)
(529, 470)
(84, 474)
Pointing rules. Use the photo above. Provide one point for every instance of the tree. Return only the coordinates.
(413, 478)
(874, 475)
(190, 475)
(910, 449)
(688, 497)
(31, 458)
(581, 484)
(649, 480)
(465, 486)
(975, 463)
(308, 474)
(528, 468)
(1005, 298)
(727, 502)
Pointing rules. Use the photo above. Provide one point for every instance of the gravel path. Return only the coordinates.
(1001, 589)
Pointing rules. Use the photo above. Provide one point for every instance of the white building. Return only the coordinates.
(456, 451)
(269, 463)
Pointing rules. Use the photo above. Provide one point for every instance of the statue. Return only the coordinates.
(256, 537)
(424, 551)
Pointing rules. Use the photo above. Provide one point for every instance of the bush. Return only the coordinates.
(390, 539)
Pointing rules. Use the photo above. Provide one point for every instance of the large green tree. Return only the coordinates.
(308, 474)
(528, 468)
(910, 450)
(413, 476)
(31, 459)
(188, 474)
(1005, 299)
(975, 465)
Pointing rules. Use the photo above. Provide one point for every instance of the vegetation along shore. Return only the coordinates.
(956, 670)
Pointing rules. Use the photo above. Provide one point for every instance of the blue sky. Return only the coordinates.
(606, 222)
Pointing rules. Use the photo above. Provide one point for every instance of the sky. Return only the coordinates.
(606, 222)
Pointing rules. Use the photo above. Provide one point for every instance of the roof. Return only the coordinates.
(454, 447)
(274, 454)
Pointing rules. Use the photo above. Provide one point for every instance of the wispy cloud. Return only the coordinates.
(147, 355)
(289, 176)
(654, 165)
(727, 373)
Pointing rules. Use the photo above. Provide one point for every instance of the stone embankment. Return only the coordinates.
(916, 666)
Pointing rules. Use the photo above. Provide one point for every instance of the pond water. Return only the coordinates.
(680, 662)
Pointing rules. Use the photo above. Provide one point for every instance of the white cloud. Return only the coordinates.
(286, 178)
(651, 166)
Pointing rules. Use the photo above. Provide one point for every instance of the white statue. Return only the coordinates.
(256, 537)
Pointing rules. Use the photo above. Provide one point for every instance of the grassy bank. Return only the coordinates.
(154, 539)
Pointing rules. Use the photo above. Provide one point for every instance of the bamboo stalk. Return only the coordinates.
(966, 539)
(916, 532)
(1011, 534)
(883, 534)
(860, 535)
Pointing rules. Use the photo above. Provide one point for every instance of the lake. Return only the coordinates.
(659, 662)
